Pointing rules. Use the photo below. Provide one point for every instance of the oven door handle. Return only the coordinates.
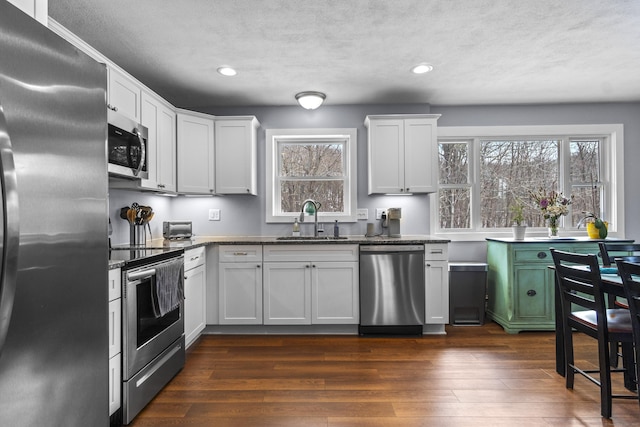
(139, 275)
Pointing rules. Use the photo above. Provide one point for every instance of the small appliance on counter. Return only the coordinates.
(177, 230)
(393, 217)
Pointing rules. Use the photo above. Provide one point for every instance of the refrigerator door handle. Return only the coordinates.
(10, 229)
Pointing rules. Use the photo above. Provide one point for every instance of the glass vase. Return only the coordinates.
(553, 227)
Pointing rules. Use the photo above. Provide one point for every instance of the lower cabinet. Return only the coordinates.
(436, 275)
(240, 285)
(194, 294)
(115, 339)
(311, 284)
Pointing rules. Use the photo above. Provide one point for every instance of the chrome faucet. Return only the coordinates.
(316, 207)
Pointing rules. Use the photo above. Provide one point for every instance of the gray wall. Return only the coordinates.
(245, 215)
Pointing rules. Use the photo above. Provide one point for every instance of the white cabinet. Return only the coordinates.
(287, 293)
(38, 9)
(160, 119)
(124, 94)
(311, 284)
(195, 152)
(236, 155)
(436, 284)
(195, 279)
(115, 335)
(240, 285)
(402, 153)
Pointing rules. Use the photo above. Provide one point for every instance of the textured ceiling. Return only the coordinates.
(360, 51)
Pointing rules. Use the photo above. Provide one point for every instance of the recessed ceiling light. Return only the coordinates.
(422, 68)
(227, 71)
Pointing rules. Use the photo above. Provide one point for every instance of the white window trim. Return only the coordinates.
(612, 165)
(351, 187)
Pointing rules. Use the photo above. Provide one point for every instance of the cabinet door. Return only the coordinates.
(436, 292)
(533, 293)
(420, 156)
(149, 119)
(386, 156)
(115, 327)
(335, 293)
(287, 293)
(166, 158)
(124, 95)
(115, 383)
(194, 303)
(240, 293)
(195, 155)
(236, 156)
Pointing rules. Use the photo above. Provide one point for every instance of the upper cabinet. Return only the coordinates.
(37, 9)
(216, 155)
(195, 151)
(124, 95)
(402, 153)
(236, 155)
(159, 118)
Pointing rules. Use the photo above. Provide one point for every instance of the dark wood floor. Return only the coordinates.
(473, 376)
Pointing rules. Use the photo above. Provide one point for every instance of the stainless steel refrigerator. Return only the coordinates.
(53, 225)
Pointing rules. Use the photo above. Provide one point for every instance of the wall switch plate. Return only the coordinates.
(362, 214)
(379, 212)
(214, 214)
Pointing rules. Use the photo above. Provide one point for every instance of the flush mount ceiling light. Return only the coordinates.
(227, 71)
(310, 100)
(422, 68)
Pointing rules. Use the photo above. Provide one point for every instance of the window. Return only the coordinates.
(484, 170)
(318, 164)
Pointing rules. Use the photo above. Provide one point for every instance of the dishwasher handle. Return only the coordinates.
(364, 249)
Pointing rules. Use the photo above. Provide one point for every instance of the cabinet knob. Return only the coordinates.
(248, 190)
(531, 293)
(407, 189)
(307, 266)
(542, 255)
(258, 266)
(112, 108)
(428, 265)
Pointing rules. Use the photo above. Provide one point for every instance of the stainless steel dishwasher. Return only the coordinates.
(391, 289)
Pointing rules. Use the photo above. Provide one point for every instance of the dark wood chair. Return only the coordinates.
(610, 252)
(630, 273)
(584, 309)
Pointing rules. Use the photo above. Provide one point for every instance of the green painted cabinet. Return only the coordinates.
(520, 284)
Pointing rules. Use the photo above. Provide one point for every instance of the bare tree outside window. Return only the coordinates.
(311, 170)
(507, 170)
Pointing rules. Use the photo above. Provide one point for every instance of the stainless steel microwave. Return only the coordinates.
(126, 147)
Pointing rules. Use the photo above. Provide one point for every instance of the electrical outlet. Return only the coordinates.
(362, 214)
(379, 212)
(214, 214)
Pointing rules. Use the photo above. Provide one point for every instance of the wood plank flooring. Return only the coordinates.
(473, 376)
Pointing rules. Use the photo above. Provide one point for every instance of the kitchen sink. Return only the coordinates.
(310, 238)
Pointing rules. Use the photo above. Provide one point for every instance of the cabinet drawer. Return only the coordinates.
(240, 253)
(115, 284)
(315, 252)
(539, 254)
(193, 258)
(436, 252)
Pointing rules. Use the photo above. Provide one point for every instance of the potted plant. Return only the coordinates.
(519, 227)
(597, 228)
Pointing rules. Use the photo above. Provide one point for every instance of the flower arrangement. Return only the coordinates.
(553, 205)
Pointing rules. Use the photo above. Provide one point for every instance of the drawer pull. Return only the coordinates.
(435, 251)
(542, 255)
(241, 253)
(531, 293)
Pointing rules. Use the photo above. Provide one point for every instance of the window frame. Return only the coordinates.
(347, 136)
(612, 174)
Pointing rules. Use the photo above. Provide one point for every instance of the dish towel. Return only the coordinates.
(168, 292)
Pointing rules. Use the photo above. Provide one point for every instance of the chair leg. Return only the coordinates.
(568, 354)
(614, 349)
(605, 379)
(630, 380)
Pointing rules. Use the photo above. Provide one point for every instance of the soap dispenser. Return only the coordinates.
(296, 228)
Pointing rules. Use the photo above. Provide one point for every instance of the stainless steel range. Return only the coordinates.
(153, 324)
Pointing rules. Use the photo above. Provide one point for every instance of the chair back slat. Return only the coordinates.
(630, 273)
(610, 252)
